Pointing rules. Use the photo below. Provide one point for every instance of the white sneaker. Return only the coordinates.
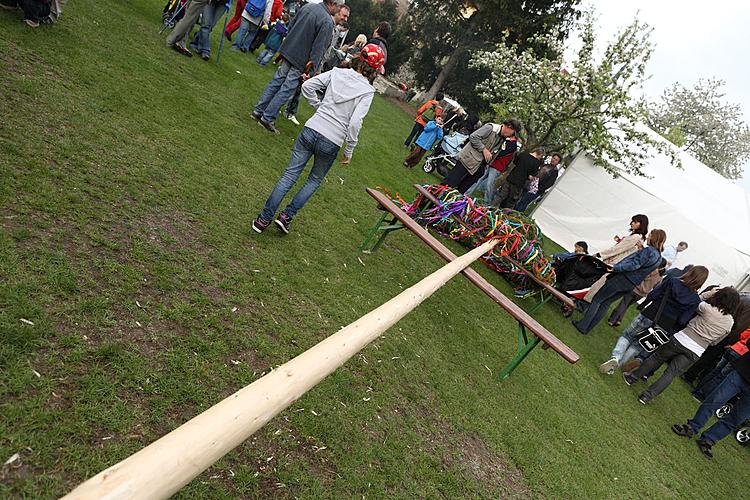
(608, 367)
(293, 119)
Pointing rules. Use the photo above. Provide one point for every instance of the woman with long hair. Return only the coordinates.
(680, 298)
(623, 247)
(624, 276)
(712, 322)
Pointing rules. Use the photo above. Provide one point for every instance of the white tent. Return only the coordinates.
(695, 204)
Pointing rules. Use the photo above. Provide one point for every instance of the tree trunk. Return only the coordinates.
(444, 73)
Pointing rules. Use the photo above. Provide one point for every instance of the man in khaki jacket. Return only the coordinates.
(483, 145)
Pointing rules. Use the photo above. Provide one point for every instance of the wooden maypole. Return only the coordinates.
(169, 463)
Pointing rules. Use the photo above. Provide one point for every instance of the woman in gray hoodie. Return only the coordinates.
(337, 119)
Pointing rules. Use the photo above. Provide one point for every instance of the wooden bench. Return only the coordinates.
(547, 291)
(526, 323)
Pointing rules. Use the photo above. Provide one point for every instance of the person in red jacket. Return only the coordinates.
(427, 112)
(235, 22)
(713, 378)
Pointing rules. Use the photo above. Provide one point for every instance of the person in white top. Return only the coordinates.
(709, 326)
(670, 252)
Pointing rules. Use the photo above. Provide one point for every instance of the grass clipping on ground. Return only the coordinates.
(135, 296)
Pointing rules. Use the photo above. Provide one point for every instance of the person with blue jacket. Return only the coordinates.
(623, 278)
(432, 132)
(680, 298)
(276, 34)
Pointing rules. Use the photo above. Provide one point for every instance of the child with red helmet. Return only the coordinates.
(337, 120)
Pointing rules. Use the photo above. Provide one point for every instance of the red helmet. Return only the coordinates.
(374, 56)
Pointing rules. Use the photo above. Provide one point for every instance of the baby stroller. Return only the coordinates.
(444, 156)
(170, 8)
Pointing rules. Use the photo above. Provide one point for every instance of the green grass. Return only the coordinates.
(129, 178)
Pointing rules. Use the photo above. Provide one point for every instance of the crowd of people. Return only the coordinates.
(680, 324)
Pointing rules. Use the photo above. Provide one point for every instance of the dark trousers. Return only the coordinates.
(414, 157)
(508, 195)
(713, 378)
(622, 307)
(730, 387)
(415, 131)
(461, 179)
(615, 287)
(678, 359)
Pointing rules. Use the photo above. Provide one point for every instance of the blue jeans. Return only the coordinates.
(525, 201)
(487, 183)
(731, 386)
(202, 39)
(309, 143)
(616, 286)
(627, 347)
(265, 57)
(712, 379)
(278, 91)
(245, 35)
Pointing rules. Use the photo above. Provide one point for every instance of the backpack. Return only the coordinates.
(255, 7)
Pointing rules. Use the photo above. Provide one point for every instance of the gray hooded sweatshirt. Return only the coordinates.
(338, 116)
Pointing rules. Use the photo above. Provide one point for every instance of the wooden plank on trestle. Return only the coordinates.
(546, 286)
(485, 286)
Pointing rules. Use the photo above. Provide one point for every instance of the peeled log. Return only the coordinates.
(169, 463)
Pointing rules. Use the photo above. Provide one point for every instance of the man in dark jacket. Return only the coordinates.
(527, 166)
(379, 37)
(711, 357)
(302, 52)
(737, 383)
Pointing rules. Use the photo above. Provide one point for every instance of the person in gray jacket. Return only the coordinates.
(337, 120)
(302, 52)
(483, 145)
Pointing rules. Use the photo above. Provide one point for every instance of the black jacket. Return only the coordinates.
(547, 181)
(526, 165)
(742, 364)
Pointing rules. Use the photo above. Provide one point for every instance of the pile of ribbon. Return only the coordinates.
(460, 218)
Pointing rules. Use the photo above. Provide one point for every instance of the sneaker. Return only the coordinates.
(47, 20)
(608, 367)
(293, 119)
(268, 126)
(31, 23)
(6, 6)
(282, 222)
(255, 116)
(260, 225)
(628, 378)
(683, 430)
(182, 50)
(205, 57)
(705, 447)
(643, 400)
(567, 312)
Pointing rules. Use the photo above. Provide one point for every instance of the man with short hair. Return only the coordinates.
(301, 53)
(484, 144)
(671, 251)
(341, 16)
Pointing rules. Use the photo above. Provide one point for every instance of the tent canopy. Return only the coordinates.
(693, 204)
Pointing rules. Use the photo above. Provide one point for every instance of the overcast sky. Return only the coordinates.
(693, 40)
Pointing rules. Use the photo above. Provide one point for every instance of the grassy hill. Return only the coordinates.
(129, 177)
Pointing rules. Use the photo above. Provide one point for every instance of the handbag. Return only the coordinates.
(655, 336)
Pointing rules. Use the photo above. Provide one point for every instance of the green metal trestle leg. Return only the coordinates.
(525, 346)
(385, 228)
